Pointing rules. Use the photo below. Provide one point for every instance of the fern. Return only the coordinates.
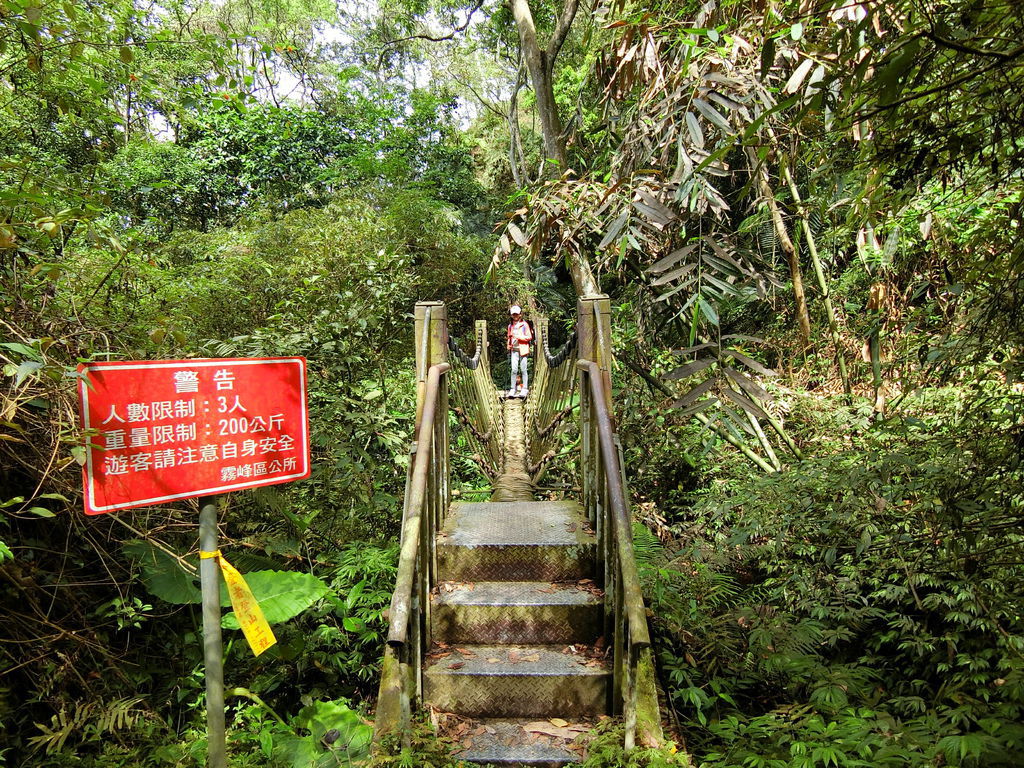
(91, 720)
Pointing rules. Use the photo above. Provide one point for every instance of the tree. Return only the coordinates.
(540, 62)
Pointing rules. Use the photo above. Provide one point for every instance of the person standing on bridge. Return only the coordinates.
(519, 341)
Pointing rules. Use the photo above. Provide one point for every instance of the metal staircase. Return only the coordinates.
(514, 611)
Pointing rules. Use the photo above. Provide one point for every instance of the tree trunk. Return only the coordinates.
(582, 276)
(540, 63)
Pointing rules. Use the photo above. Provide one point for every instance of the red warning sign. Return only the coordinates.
(163, 430)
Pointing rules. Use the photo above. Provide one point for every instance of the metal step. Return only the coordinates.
(537, 744)
(516, 681)
(528, 612)
(516, 541)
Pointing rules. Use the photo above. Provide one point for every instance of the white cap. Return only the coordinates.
(515, 310)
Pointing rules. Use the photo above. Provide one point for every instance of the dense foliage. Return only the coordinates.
(808, 216)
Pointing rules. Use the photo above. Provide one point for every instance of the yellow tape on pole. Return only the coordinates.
(247, 609)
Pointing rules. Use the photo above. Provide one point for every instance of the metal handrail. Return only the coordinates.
(622, 528)
(559, 390)
(608, 507)
(423, 512)
(401, 600)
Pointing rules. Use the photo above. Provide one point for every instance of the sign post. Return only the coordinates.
(165, 430)
(213, 654)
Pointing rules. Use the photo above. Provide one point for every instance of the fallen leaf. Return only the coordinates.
(457, 665)
(559, 722)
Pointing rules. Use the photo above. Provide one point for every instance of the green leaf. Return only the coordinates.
(27, 351)
(41, 512)
(79, 454)
(796, 31)
(708, 311)
(5, 552)
(163, 575)
(126, 54)
(25, 370)
(281, 594)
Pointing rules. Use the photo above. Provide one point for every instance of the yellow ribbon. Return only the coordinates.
(250, 616)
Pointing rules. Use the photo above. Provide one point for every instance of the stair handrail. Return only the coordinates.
(423, 513)
(606, 505)
(414, 521)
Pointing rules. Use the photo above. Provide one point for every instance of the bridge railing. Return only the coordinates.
(475, 402)
(551, 402)
(424, 510)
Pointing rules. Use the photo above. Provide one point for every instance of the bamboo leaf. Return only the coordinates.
(745, 403)
(517, 235)
(713, 115)
(751, 364)
(751, 387)
(662, 264)
(699, 391)
(690, 368)
(793, 84)
(709, 311)
(614, 230)
(703, 405)
(691, 350)
(693, 126)
(674, 274)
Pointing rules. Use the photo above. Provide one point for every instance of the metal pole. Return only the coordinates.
(209, 576)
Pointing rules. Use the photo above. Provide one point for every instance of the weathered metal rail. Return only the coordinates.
(575, 379)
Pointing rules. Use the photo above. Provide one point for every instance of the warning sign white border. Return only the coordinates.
(200, 362)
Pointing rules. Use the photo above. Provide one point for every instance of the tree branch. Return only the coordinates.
(441, 38)
(562, 28)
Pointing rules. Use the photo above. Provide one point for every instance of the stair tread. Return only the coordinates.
(516, 523)
(517, 593)
(516, 660)
(520, 741)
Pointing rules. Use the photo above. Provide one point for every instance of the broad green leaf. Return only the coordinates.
(25, 370)
(708, 310)
(281, 594)
(126, 54)
(23, 349)
(5, 552)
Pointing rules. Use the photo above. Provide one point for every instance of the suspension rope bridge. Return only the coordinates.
(513, 610)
